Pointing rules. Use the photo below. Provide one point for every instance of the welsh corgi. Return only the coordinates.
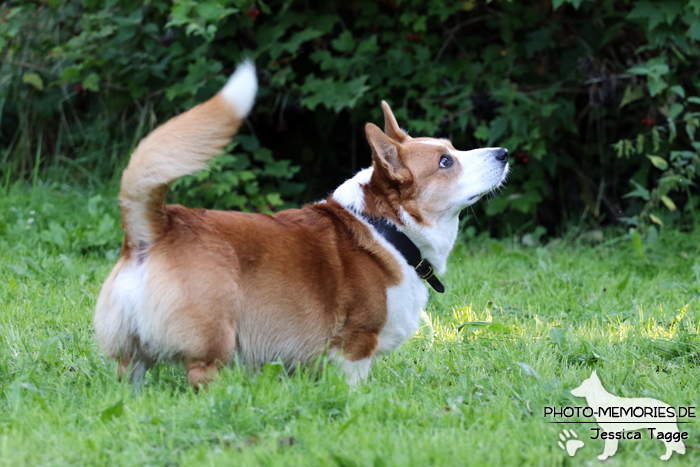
(342, 277)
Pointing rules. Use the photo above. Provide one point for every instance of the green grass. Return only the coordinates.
(534, 323)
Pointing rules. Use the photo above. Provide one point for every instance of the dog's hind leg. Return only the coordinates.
(123, 363)
(138, 373)
(609, 450)
(204, 368)
(138, 363)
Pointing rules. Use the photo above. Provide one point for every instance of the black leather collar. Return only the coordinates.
(408, 250)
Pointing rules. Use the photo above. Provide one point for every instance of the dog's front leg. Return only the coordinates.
(201, 373)
(355, 357)
(609, 450)
(356, 372)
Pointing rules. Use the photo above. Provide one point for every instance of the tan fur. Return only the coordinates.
(181, 146)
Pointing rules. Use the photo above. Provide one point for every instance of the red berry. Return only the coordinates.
(445, 106)
(273, 63)
(78, 87)
(4, 20)
(525, 159)
(650, 123)
(413, 37)
(253, 13)
(83, 93)
(8, 11)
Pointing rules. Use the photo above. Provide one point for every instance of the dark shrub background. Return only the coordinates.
(596, 100)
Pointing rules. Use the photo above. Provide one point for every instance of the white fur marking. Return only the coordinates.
(241, 88)
(434, 242)
(350, 194)
(355, 372)
(127, 297)
(404, 304)
(481, 173)
(433, 143)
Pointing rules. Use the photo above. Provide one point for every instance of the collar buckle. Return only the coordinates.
(408, 250)
(425, 269)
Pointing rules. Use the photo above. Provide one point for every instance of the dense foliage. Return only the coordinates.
(596, 99)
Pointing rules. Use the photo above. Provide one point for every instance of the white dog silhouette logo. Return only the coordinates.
(616, 415)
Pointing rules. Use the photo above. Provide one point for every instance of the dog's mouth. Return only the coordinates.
(496, 186)
(504, 175)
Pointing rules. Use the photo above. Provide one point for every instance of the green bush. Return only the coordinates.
(595, 99)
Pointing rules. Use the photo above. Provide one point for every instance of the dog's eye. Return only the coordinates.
(445, 161)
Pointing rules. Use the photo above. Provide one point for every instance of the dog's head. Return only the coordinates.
(589, 386)
(427, 178)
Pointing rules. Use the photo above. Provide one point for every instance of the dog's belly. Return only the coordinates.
(283, 324)
(259, 341)
(404, 304)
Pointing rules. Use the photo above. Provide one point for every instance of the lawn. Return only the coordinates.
(517, 329)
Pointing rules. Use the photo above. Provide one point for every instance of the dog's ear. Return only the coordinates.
(385, 152)
(391, 127)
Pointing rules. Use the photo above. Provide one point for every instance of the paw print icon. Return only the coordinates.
(569, 443)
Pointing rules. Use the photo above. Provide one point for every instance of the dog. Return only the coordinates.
(602, 403)
(343, 277)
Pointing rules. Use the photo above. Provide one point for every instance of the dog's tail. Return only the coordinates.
(180, 147)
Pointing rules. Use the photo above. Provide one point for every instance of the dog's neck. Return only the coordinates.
(434, 242)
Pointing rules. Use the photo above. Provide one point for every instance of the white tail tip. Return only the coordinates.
(241, 88)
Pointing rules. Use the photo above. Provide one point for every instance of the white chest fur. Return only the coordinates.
(404, 303)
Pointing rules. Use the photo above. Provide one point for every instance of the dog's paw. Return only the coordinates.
(569, 443)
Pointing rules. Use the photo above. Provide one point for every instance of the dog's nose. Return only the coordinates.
(502, 154)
